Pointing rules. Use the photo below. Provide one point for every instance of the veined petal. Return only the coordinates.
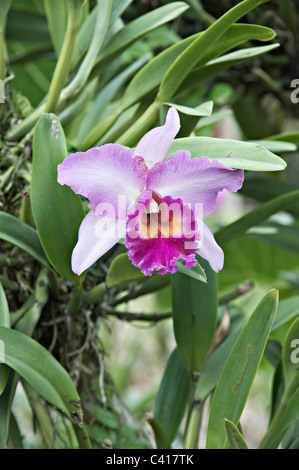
(154, 145)
(96, 236)
(209, 249)
(103, 174)
(196, 180)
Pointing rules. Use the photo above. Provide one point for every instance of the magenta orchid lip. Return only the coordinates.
(156, 204)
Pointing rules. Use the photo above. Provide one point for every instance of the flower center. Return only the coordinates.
(160, 219)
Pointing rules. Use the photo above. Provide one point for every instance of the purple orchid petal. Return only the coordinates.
(96, 236)
(160, 232)
(210, 250)
(197, 180)
(103, 174)
(154, 145)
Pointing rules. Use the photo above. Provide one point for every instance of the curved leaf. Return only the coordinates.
(191, 56)
(151, 75)
(173, 395)
(289, 416)
(204, 109)
(57, 210)
(4, 312)
(256, 216)
(44, 373)
(232, 153)
(122, 270)
(140, 26)
(235, 438)
(239, 371)
(56, 22)
(194, 305)
(197, 272)
(22, 235)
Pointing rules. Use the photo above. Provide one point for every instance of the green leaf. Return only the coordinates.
(263, 189)
(197, 272)
(173, 395)
(6, 400)
(86, 30)
(57, 14)
(291, 439)
(256, 216)
(44, 373)
(4, 311)
(283, 236)
(239, 371)
(140, 26)
(194, 306)
(27, 27)
(215, 66)
(97, 42)
(290, 355)
(287, 310)
(204, 109)
(22, 235)
(292, 136)
(15, 435)
(122, 270)
(161, 438)
(289, 416)
(151, 75)
(100, 102)
(236, 34)
(57, 210)
(277, 146)
(235, 438)
(213, 367)
(4, 321)
(191, 56)
(232, 153)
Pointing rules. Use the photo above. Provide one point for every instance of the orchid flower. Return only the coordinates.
(148, 199)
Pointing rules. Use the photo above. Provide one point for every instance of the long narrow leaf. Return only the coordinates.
(22, 235)
(239, 371)
(57, 211)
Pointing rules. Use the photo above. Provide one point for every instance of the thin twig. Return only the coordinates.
(152, 317)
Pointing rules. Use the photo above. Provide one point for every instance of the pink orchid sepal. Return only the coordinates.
(156, 204)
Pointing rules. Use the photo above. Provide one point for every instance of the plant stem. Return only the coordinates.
(99, 36)
(64, 61)
(161, 438)
(155, 317)
(75, 299)
(141, 126)
(100, 129)
(80, 79)
(233, 294)
(95, 294)
(82, 437)
(193, 426)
